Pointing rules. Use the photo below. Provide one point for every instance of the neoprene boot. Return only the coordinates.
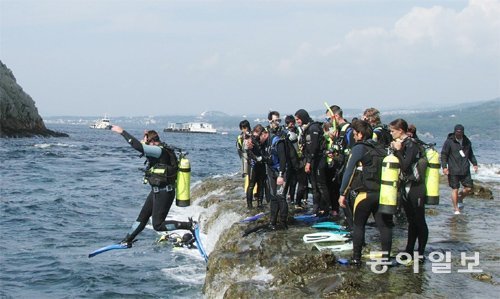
(260, 202)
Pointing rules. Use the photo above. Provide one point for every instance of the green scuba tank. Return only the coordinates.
(432, 177)
(389, 185)
(183, 183)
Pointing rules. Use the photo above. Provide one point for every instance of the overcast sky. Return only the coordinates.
(134, 58)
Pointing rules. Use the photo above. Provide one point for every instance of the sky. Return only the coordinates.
(137, 58)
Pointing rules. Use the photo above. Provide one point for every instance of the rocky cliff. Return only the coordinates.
(18, 114)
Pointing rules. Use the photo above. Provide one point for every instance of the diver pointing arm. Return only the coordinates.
(145, 148)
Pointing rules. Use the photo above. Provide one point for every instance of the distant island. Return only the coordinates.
(18, 114)
(481, 119)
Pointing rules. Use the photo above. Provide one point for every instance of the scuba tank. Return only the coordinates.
(389, 185)
(183, 183)
(432, 177)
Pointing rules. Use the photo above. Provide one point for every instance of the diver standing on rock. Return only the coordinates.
(412, 190)
(276, 167)
(314, 146)
(364, 155)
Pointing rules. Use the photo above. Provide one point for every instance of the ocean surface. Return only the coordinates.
(62, 198)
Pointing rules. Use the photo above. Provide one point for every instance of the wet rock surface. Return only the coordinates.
(278, 264)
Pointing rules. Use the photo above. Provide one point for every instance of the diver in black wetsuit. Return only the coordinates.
(367, 200)
(161, 175)
(314, 151)
(276, 167)
(413, 193)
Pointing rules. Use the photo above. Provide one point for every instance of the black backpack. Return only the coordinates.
(292, 156)
(384, 136)
(370, 178)
(164, 171)
(420, 166)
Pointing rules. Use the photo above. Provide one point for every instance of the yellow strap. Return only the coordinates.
(361, 196)
(158, 171)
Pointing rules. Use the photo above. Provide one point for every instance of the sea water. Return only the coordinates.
(62, 198)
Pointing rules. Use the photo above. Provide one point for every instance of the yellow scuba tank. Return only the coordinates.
(389, 185)
(183, 184)
(432, 177)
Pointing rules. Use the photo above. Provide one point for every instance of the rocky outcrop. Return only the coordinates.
(277, 264)
(265, 264)
(18, 114)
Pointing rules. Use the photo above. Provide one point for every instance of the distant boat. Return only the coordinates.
(102, 123)
(191, 127)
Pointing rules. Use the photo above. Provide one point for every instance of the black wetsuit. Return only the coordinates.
(413, 198)
(366, 203)
(276, 165)
(160, 198)
(256, 174)
(314, 153)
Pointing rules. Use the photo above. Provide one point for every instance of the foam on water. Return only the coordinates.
(488, 173)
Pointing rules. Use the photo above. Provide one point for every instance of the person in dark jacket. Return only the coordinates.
(456, 156)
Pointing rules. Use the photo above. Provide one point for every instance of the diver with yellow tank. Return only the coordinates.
(362, 175)
(412, 186)
(161, 174)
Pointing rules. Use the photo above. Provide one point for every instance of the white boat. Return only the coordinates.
(191, 127)
(102, 123)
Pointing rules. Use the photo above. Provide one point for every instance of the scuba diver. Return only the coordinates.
(368, 155)
(314, 151)
(245, 133)
(413, 191)
(276, 168)
(161, 175)
(295, 172)
(340, 141)
(381, 132)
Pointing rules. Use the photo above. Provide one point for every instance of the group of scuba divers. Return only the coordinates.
(356, 168)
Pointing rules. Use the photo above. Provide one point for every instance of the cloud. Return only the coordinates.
(421, 34)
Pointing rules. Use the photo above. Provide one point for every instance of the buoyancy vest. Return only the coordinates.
(343, 138)
(382, 135)
(275, 161)
(419, 166)
(292, 150)
(369, 177)
(162, 171)
(314, 150)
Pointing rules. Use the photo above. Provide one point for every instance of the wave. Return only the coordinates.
(488, 173)
(48, 145)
